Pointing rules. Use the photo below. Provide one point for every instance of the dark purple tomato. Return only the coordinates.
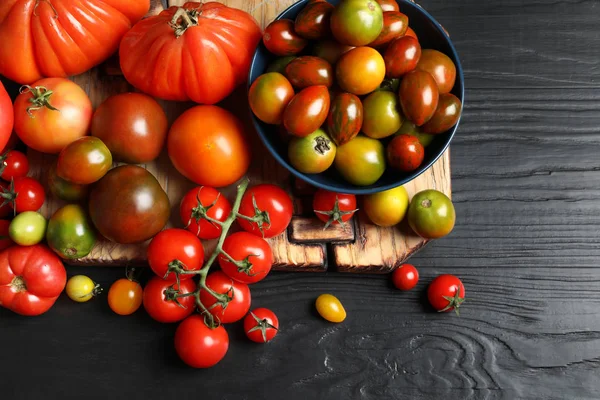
(345, 118)
(330, 50)
(446, 114)
(440, 66)
(308, 71)
(401, 56)
(419, 96)
(281, 39)
(307, 111)
(395, 25)
(405, 153)
(313, 21)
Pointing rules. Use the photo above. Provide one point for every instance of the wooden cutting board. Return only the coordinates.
(359, 247)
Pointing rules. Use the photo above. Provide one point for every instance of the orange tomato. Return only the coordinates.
(125, 296)
(360, 70)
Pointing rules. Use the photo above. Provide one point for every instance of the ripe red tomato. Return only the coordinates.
(84, 161)
(334, 208)
(405, 277)
(200, 202)
(13, 164)
(446, 293)
(253, 256)
(125, 296)
(269, 95)
(307, 111)
(281, 39)
(239, 293)
(199, 52)
(308, 71)
(441, 67)
(446, 114)
(261, 325)
(175, 248)
(198, 345)
(272, 208)
(401, 56)
(7, 117)
(31, 279)
(405, 153)
(164, 310)
(51, 113)
(24, 194)
(216, 155)
(419, 96)
(313, 21)
(5, 240)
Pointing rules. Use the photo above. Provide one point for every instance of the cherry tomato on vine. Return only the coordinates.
(238, 294)
(24, 194)
(405, 277)
(175, 248)
(13, 164)
(270, 206)
(198, 345)
(334, 208)
(200, 202)
(446, 293)
(252, 257)
(160, 307)
(81, 288)
(261, 325)
(125, 296)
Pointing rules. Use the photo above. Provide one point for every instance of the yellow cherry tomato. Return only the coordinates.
(386, 208)
(330, 308)
(125, 296)
(80, 288)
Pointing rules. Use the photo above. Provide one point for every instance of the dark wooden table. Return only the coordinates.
(526, 181)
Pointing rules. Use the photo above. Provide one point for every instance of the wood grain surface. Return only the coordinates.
(526, 184)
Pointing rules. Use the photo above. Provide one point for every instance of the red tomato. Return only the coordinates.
(198, 345)
(261, 325)
(175, 248)
(201, 202)
(198, 52)
(14, 164)
(405, 277)
(24, 194)
(7, 116)
(160, 308)
(31, 279)
(270, 206)
(405, 153)
(281, 39)
(216, 155)
(401, 56)
(252, 255)
(307, 111)
(411, 32)
(419, 96)
(52, 113)
(84, 161)
(446, 293)
(239, 293)
(5, 240)
(388, 5)
(334, 208)
(125, 296)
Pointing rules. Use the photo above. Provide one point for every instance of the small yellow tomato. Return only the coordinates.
(125, 296)
(80, 288)
(386, 208)
(330, 308)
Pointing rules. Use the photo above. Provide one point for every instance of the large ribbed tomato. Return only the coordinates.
(59, 38)
(199, 52)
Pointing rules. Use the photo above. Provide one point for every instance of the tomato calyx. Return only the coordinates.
(18, 284)
(201, 212)
(335, 214)
(243, 266)
(261, 218)
(172, 294)
(262, 325)
(322, 145)
(10, 196)
(40, 98)
(454, 302)
(184, 19)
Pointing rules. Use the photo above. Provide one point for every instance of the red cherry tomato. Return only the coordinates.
(446, 293)
(175, 248)
(24, 194)
(13, 164)
(270, 205)
(239, 293)
(200, 202)
(261, 325)
(252, 255)
(405, 153)
(334, 208)
(198, 345)
(405, 277)
(281, 39)
(164, 310)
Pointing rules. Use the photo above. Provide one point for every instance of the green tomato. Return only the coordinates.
(312, 154)
(361, 161)
(409, 128)
(28, 228)
(70, 233)
(431, 214)
(381, 115)
(357, 22)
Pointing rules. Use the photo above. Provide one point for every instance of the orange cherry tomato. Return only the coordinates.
(125, 296)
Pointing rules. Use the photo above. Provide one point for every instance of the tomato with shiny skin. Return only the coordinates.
(31, 279)
(128, 205)
(411, 32)
(446, 115)
(279, 64)
(268, 96)
(132, 125)
(5, 240)
(386, 208)
(431, 214)
(361, 161)
(201, 202)
(388, 5)
(81, 288)
(238, 292)
(13, 164)
(270, 205)
(65, 190)
(360, 70)
(70, 232)
(419, 96)
(281, 39)
(440, 66)
(382, 117)
(51, 113)
(333, 208)
(312, 154)
(307, 111)
(24, 194)
(161, 308)
(216, 155)
(252, 255)
(395, 25)
(405, 153)
(357, 22)
(330, 50)
(409, 128)
(175, 248)
(7, 118)
(307, 71)
(198, 345)
(389, 85)
(261, 325)
(345, 118)
(401, 56)
(84, 161)
(28, 228)
(198, 51)
(125, 296)
(446, 293)
(330, 308)
(405, 277)
(313, 20)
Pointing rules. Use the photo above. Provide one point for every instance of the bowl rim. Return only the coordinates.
(374, 188)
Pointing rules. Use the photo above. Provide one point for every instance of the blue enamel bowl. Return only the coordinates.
(431, 36)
